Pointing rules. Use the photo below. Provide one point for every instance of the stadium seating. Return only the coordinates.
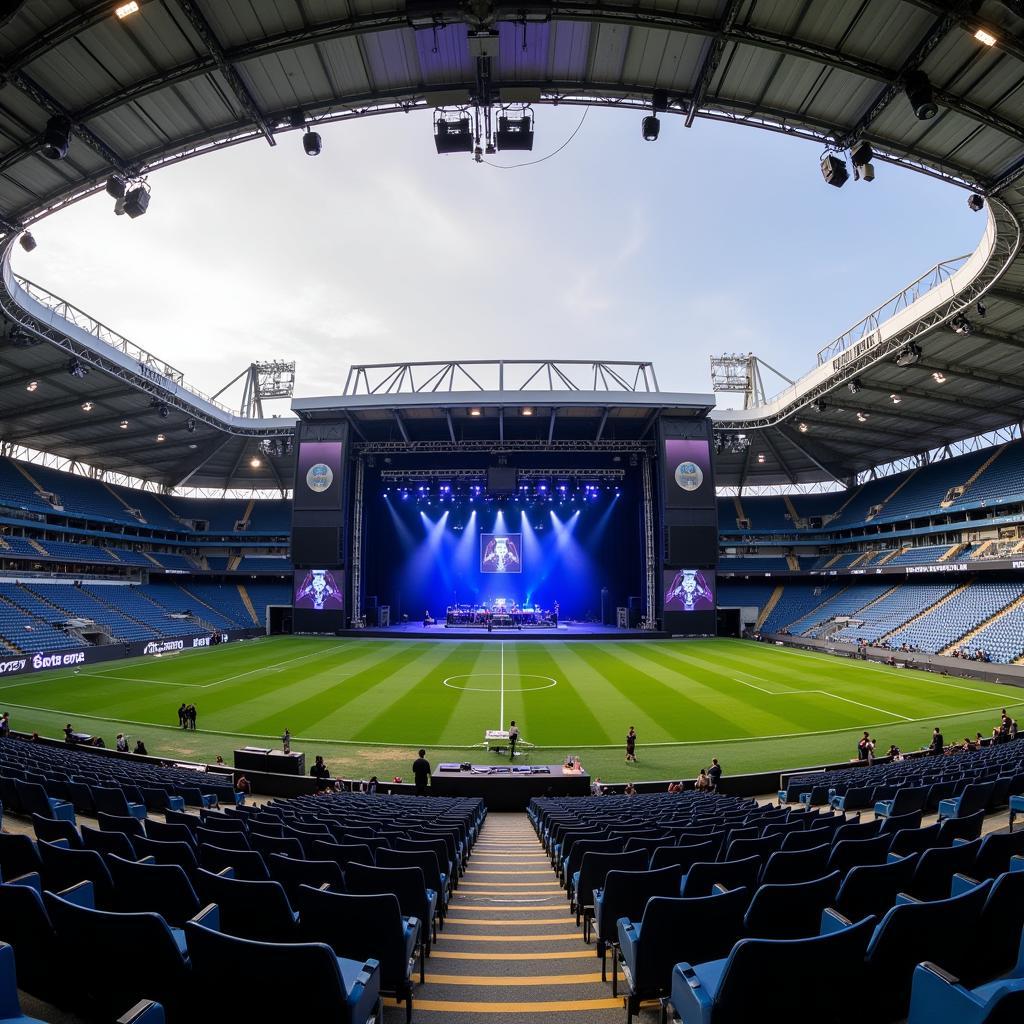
(893, 610)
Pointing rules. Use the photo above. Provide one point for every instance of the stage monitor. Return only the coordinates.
(689, 590)
(501, 480)
(501, 552)
(318, 475)
(687, 474)
(315, 545)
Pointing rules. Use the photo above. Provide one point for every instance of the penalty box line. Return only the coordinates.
(825, 693)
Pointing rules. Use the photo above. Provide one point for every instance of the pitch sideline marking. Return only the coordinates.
(824, 693)
(501, 712)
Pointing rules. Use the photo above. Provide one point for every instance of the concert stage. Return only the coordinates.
(563, 631)
(510, 790)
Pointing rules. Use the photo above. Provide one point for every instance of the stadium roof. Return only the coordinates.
(178, 78)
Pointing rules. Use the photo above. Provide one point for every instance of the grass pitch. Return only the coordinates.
(368, 704)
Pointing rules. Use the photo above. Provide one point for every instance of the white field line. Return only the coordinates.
(824, 693)
(501, 711)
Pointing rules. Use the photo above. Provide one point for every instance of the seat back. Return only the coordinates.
(763, 847)
(963, 826)
(64, 868)
(108, 842)
(1001, 925)
(909, 799)
(230, 840)
(110, 800)
(788, 866)
(857, 830)
(995, 852)
(936, 867)
(808, 839)
(51, 829)
(126, 823)
(292, 873)
(848, 853)
(342, 854)
(791, 911)
(18, 855)
(219, 822)
(625, 894)
(914, 840)
(683, 856)
(166, 832)
(256, 910)
(289, 846)
(247, 864)
(425, 860)
(406, 884)
(974, 798)
(162, 889)
(594, 869)
(896, 822)
(731, 874)
(181, 854)
(870, 889)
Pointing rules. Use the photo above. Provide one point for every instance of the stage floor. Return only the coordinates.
(563, 631)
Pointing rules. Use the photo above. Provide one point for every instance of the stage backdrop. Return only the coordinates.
(423, 557)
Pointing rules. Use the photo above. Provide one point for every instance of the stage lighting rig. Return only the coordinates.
(514, 133)
(27, 241)
(56, 138)
(311, 142)
(861, 155)
(834, 170)
(919, 93)
(452, 135)
(136, 200)
(910, 355)
(116, 186)
(77, 369)
(961, 325)
(976, 202)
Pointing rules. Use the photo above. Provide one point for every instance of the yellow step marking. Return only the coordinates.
(517, 892)
(520, 908)
(575, 954)
(513, 938)
(501, 980)
(511, 885)
(520, 1008)
(449, 919)
(515, 871)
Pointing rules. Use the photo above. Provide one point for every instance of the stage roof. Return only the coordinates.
(182, 77)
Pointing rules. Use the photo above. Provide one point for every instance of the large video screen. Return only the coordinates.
(689, 590)
(501, 552)
(688, 480)
(318, 475)
(319, 590)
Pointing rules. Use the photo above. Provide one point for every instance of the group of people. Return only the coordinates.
(1005, 732)
(976, 655)
(187, 716)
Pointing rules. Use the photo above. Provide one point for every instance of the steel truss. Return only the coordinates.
(356, 555)
(651, 559)
(498, 447)
(393, 475)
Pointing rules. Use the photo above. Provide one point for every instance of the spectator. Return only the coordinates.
(192, 717)
(122, 743)
(938, 744)
(421, 773)
(140, 748)
(596, 789)
(183, 716)
(286, 741)
(242, 786)
(321, 773)
(1012, 731)
(220, 760)
(715, 773)
(630, 789)
(703, 783)
(5, 725)
(675, 787)
(372, 788)
(69, 734)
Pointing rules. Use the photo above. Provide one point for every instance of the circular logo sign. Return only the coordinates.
(688, 476)
(320, 477)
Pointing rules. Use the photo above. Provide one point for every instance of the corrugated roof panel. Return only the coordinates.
(608, 44)
(391, 59)
(569, 49)
(283, 80)
(516, 63)
(669, 60)
(450, 63)
(344, 60)
(242, 21)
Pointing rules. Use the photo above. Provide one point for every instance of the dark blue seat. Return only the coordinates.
(871, 889)
(246, 864)
(52, 829)
(108, 842)
(146, 887)
(683, 856)
(788, 866)
(19, 855)
(895, 822)
(906, 800)
(808, 839)
(111, 800)
(790, 911)
(995, 852)
(330, 988)
(974, 798)
(726, 991)
(10, 1006)
(937, 997)
(64, 869)
(1000, 928)
(856, 798)
(293, 873)
(126, 823)
(341, 853)
(407, 884)
(965, 826)
(145, 1011)
(156, 798)
(849, 853)
(593, 869)
(26, 925)
(730, 874)
(181, 854)
(366, 927)
(856, 830)
(915, 840)
(33, 800)
(224, 840)
(251, 910)
(936, 868)
(673, 929)
(166, 832)
(762, 847)
(426, 861)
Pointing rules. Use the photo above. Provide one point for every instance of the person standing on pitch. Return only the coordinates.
(421, 773)
(631, 744)
(513, 739)
(286, 741)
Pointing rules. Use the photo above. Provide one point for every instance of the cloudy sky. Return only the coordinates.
(714, 239)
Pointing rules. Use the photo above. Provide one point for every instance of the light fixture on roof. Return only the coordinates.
(87, 407)
(160, 438)
(56, 138)
(976, 202)
(819, 405)
(27, 241)
(474, 412)
(116, 186)
(919, 92)
(862, 417)
(255, 462)
(123, 424)
(77, 368)
(127, 10)
(854, 386)
(961, 325)
(939, 377)
(862, 154)
(760, 458)
(527, 411)
(452, 136)
(650, 126)
(190, 425)
(162, 409)
(833, 170)
(311, 142)
(910, 355)
(514, 132)
(32, 385)
(895, 399)
(982, 308)
(803, 428)
(986, 37)
(135, 202)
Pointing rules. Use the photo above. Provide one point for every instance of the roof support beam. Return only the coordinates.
(401, 426)
(191, 464)
(501, 423)
(807, 455)
(451, 425)
(601, 425)
(972, 373)
(70, 403)
(241, 92)
(551, 424)
(765, 435)
(933, 395)
(712, 57)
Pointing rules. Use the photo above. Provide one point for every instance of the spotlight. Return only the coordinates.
(961, 325)
(527, 411)
(910, 355)
(126, 10)
(87, 407)
(760, 458)
(116, 186)
(190, 425)
(123, 424)
(474, 412)
(862, 417)
(453, 136)
(514, 133)
(255, 462)
(895, 399)
(866, 173)
(919, 92)
(56, 138)
(985, 37)
(27, 241)
(819, 405)
(861, 153)
(982, 308)
(650, 126)
(939, 377)
(854, 386)
(32, 385)
(311, 143)
(803, 428)
(833, 170)
(136, 201)
(976, 202)
(77, 368)
(160, 438)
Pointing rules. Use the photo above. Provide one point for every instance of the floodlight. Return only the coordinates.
(985, 37)
(803, 428)
(311, 143)
(650, 126)
(123, 424)
(77, 368)
(976, 202)
(190, 425)
(160, 438)
(32, 385)
(527, 411)
(939, 377)
(895, 399)
(833, 170)
(910, 355)
(861, 153)
(255, 462)
(867, 172)
(862, 417)
(136, 201)
(56, 138)
(760, 458)
(164, 411)
(87, 407)
(126, 10)
(919, 92)
(515, 133)
(961, 325)
(474, 412)
(453, 136)
(27, 241)
(854, 386)
(116, 186)
(819, 405)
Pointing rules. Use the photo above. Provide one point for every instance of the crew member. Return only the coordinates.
(421, 773)
(513, 739)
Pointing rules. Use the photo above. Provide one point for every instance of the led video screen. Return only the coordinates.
(319, 590)
(501, 552)
(689, 590)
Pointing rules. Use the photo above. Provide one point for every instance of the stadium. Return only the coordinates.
(809, 604)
